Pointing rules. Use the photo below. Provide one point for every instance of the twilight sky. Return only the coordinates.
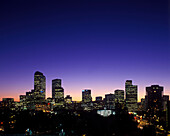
(93, 44)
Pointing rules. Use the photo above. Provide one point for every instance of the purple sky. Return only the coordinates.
(88, 44)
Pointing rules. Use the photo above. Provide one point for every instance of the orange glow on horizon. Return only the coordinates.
(74, 98)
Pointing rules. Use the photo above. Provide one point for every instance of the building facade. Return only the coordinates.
(86, 96)
(39, 87)
(131, 96)
(110, 101)
(7, 102)
(119, 96)
(155, 97)
(57, 92)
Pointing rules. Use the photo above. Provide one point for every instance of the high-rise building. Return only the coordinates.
(57, 92)
(7, 102)
(110, 101)
(165, 102)
(23, 102)
(119, 96)
(39, 86)
(86, 96)
(68, 99)
(32, 99)
(131, 96)
(98, 103)
(154, 101)
(56, 83)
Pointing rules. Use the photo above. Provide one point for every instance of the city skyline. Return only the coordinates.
(88, 44)
(58, 81)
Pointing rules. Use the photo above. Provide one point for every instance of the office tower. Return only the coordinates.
(119, 96)
(32, 99)
(29, 96)
(131, 96)
(57, 92)
(23, 102)
(110, 101)
(68, 99)
(56, 83)
(7, 102)
(154, 101)
(98, 103)
(98, 98)
(39, 87)
(165, 102)
(86, 96)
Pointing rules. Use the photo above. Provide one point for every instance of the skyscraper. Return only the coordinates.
(57, 92)
(154, 101)
(56, 83)
(110, 101)
(86, 96)
(39, 86)
(119, 96)
(131, 96)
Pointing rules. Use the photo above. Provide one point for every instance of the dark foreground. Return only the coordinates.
(71, 123)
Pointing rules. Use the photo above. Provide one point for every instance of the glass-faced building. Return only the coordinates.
(110, 101)
(86, 96)
(119, 96)
(154, 95)
(39, 86)
(131, 96)
(57, 92)
(56, 83)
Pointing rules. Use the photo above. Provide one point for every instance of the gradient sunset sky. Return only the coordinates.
(93, 44)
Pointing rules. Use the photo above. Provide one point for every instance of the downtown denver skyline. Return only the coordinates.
(95, 45)
(49, 94)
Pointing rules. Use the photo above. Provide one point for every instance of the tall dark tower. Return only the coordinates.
(119, 96)
(57, 92)
(131, 96)
(39, 86)
(154, 101)
(86, 96)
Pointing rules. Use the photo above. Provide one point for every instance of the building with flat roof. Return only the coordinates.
(39, 87)
(86, 96)
(155, 98)
(119, 96)
(57, 92)
(131, 96)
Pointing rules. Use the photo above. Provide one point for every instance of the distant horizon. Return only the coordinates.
(80, 98)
